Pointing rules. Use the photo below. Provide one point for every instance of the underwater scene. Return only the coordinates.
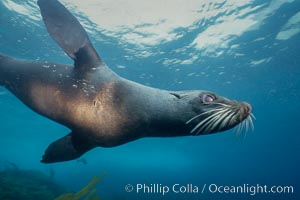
(240, 50)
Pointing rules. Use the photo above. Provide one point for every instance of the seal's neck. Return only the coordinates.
(169, 119)
(161, 111)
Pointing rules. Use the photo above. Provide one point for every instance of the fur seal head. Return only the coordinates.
(216, 113)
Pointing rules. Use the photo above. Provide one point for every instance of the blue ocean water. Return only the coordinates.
(245, 50)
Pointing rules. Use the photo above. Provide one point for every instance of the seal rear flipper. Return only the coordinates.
(66, 30)
(66, 148)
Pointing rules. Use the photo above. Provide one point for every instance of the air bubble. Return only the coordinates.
(46, 66)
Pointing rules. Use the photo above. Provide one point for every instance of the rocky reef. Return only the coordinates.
(16, 184)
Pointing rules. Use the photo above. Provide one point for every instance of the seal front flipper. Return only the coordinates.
(66, 30)
(66, 148)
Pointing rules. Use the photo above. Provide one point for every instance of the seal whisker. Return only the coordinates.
(238, 129)
(229, 118)
(212, 124)
(205, 125)
(217, 121)
(251, 123)
(252, 115)
(193, 118)
(247, 125)
(209, 124)
(206, 120)
(244, 131)
(205, 128)
(241, 127)
(224, 117)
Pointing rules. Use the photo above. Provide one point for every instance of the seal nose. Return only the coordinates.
(247, 107)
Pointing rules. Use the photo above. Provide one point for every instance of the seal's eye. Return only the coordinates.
(206, 98)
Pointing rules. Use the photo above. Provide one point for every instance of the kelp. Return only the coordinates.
(86, 193)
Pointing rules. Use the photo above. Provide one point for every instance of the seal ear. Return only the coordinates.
(66, 148)
(66, 30)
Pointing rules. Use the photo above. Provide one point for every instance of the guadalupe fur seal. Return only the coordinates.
(102, 108)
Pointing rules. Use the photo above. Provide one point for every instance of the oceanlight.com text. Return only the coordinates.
(249, 189)
(164, 189)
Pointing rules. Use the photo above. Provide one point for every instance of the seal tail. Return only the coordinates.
(66, 30)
